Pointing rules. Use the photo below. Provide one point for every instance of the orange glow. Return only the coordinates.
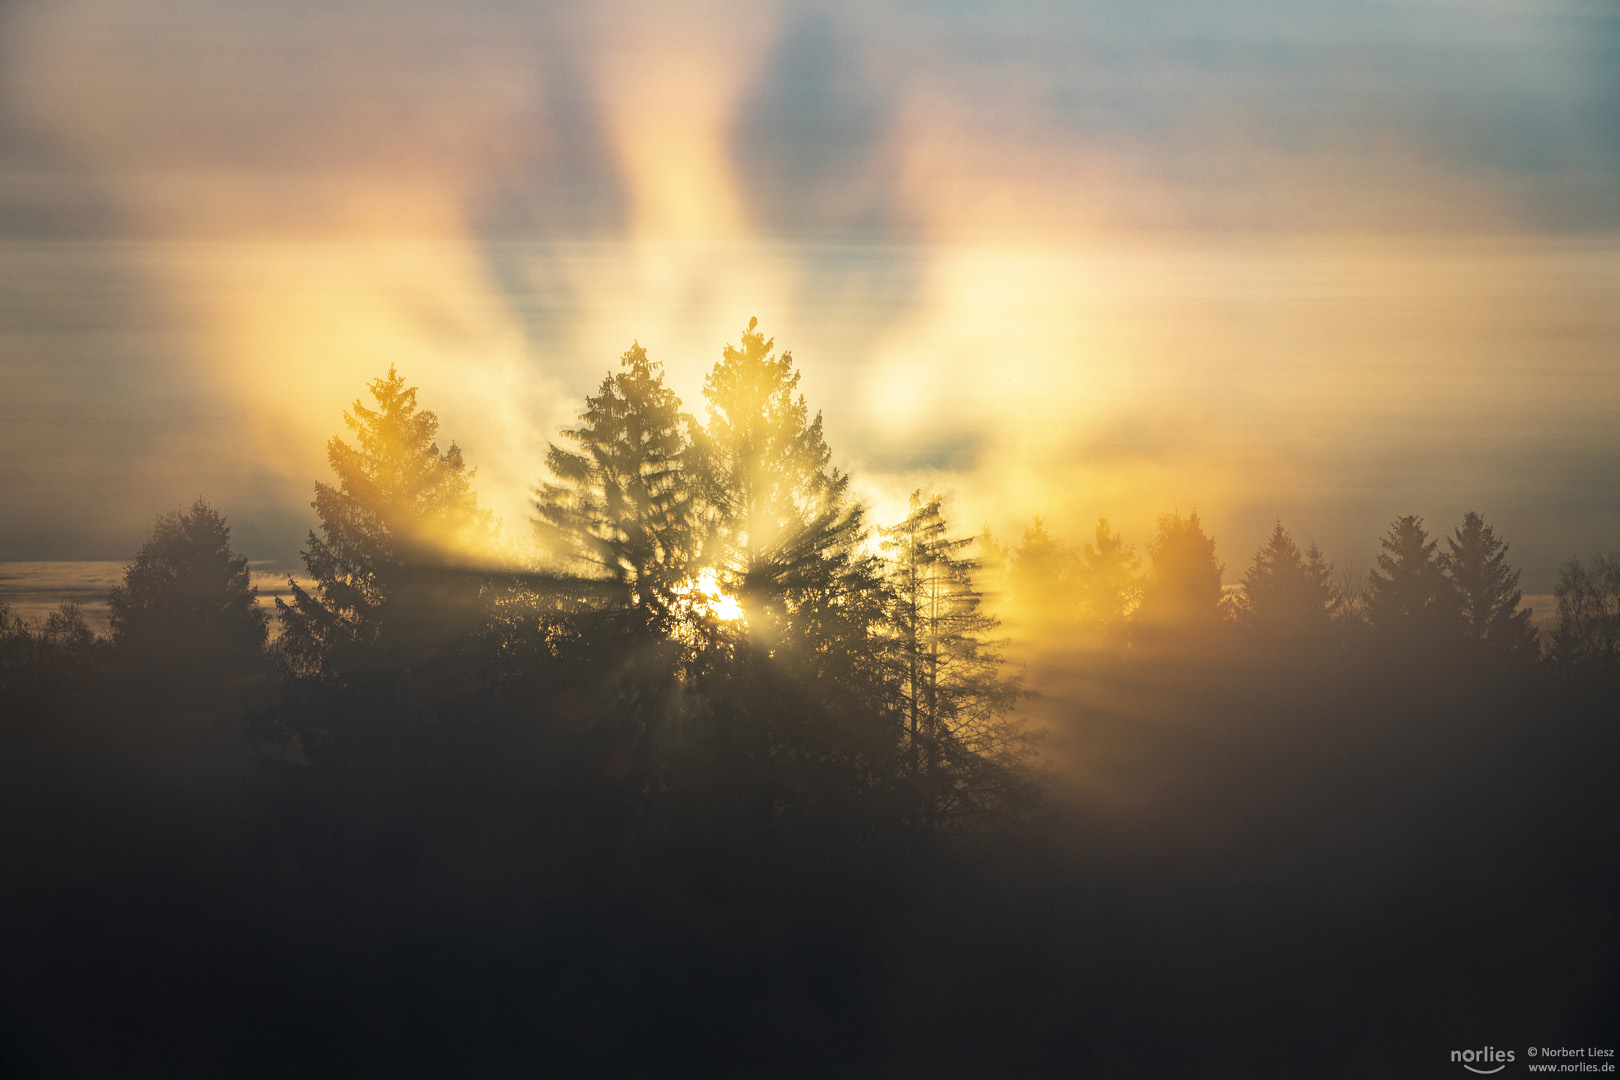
(709, 600)
(1045, 329)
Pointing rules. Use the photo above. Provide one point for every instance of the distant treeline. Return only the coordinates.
(724, 778)
(1460, 597)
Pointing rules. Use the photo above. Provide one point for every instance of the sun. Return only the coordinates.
(706, 593)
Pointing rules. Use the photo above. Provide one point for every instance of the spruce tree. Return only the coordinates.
(1287, 592)
(781, 527)
(621, 503)
(186, 595)
(401, 519)
(790, 694)
(1107, 570)
(1408, 593)
(1487, 590)
(1182, 589)
(1043, 579)
(961, 749)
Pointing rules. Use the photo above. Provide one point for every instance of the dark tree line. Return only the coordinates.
(714, 589)
(736, 782)
(1420, 596)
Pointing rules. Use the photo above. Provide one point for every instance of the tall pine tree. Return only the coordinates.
(187, 596)
(1487, 590)
(1287, 594)
(1408, 594)
(961, 751)
(621, 504)
(1107, 570)
(791, 693)
(782, 528)
(1182, 589)
(401, 520)
(1043, 580)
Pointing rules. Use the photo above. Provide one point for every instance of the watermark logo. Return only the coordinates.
(1484, 1061)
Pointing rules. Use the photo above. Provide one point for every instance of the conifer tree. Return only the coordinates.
(994, 566)
(1408, 594)
(1182, 589)
(1042, 578)
(1487, 589)
(401, 513)
(186, 595)
(961, 748)
(790, 694)
(1107, 571)
(781, 526)
(621, 504)
(1286, 591)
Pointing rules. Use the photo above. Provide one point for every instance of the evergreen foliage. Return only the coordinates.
(1287, 592)
(187, 595)
(1182, 590)
(789, 696)
(401, 514)
(1487, 590)
(781, 527)
(1409, 594)
(962, 751)
(745, 775)
(1108, 571)
(621, 503)
(1042, 579)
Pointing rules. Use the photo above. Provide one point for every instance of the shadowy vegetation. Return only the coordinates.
(735, 783)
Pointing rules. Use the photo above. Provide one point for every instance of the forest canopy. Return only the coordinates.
(719, 760)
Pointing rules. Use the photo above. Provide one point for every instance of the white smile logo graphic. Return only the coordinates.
(1488, 1056)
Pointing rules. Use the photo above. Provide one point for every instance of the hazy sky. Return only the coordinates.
(1330, 262)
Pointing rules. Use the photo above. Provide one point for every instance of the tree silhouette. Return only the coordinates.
(961, 749)
(16, 649)
(993, 565)
(66, 629)
(1182, 589)
(1042, 580)
(401, 510)
(622, 503)
(1408, 594)
(44, 664)
(1586, 633)
(1107, 570)
(1487, 590)
(791, 695)
(186, 595)
(781, 527)
(1286, 591)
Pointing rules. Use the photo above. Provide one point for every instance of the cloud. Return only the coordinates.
(1072, 259)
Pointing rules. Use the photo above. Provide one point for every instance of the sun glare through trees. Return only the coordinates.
(919, 539)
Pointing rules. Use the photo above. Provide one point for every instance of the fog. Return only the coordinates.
(1075, 618)
(1328, 265)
